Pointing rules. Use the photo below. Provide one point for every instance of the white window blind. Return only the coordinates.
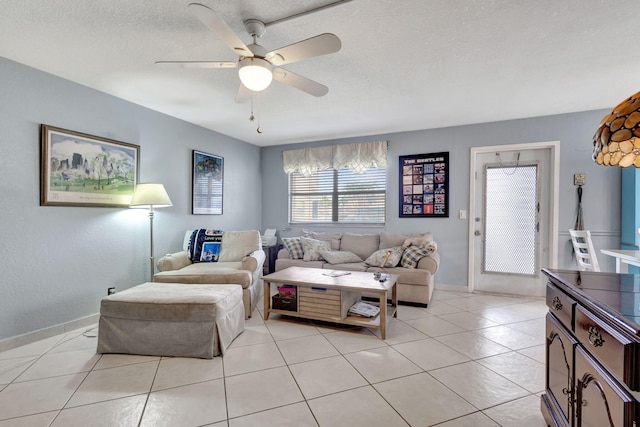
(207, 195)
(337, 184)
(338, 196)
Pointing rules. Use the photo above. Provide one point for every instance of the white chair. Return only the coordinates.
(584, 250)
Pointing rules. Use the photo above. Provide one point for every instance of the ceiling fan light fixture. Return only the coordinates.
(255, 73)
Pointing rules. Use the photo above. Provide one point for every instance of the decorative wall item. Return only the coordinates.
(424, 185)
(77, 169)
(208, 177)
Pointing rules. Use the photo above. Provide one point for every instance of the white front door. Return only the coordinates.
(511, 223)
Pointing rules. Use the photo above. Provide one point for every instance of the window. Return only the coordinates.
(338, 196)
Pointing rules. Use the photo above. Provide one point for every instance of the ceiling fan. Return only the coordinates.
(257, 67)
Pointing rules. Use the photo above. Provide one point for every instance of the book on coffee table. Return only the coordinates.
(364, 309)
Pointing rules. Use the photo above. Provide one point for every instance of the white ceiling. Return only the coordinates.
(404, 64)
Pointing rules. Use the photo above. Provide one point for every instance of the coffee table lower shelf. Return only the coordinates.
(366, 322)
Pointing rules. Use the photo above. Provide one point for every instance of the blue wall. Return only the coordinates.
(601, 197)
(57, 262)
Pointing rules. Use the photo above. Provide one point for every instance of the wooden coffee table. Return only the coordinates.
(323, 297)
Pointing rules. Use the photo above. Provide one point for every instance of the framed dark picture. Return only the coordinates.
(77, 169)
(208, 177)
(424, 185)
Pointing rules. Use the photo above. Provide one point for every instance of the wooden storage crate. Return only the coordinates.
(330, 304)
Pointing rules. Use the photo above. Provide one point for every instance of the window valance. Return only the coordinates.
(356, 157)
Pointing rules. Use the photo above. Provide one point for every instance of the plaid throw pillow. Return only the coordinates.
(412, 255)
(294, 246)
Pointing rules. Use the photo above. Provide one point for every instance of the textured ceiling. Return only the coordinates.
(404, 65)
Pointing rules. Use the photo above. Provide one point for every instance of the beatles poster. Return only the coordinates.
(424, 185)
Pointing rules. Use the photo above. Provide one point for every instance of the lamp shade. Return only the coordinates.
(255, 73)
(149, 195)
(617, 140)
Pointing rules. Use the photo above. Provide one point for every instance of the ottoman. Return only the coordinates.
(171, 319)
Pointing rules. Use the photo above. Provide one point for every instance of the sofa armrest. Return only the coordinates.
(174, 261)
(430, 262)
(254, 261)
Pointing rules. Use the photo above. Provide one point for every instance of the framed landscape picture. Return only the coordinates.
(424, 185)
(77, 169)
(208, 180)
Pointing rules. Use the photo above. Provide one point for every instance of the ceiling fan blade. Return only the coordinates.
(297, 81)
(199, 64)
(220, 28)
(243, 94)
(315, 46)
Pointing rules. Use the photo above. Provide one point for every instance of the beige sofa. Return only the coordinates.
(240, 262)
(415, 285)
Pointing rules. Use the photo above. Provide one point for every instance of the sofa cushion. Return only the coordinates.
(294, 247)
(332, 238)
(238, 244)
(312, 248)
(412, 255)
(340, 257)
(282, 263)
(390, 240)
(378, 257)
(207, 273)
(350, 266)
(362, 245)
(408, 276)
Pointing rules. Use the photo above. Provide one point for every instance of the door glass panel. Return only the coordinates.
(511, 216)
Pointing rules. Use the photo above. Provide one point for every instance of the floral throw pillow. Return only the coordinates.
(313, 247)
(377, 258)
(294, 246)
(412, 255)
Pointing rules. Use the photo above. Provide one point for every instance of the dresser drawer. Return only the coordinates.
(615, 351)
(600, 400)
(561, 305)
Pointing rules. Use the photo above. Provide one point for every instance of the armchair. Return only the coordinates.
(240, 262)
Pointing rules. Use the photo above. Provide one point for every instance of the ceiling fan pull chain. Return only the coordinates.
(251, 117)
(259, 117)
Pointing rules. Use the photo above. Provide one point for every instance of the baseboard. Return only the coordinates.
(40, 334)
(453, 288)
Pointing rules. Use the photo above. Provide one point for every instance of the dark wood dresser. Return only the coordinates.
(593, 352)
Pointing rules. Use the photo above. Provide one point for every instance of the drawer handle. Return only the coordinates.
(556, 304)
(595, 337)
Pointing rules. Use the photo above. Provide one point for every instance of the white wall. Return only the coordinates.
(57, 262)
(601, 197)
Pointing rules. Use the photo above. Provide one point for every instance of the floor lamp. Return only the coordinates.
(149, 196)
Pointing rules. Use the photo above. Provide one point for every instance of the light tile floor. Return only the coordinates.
(466, 360)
